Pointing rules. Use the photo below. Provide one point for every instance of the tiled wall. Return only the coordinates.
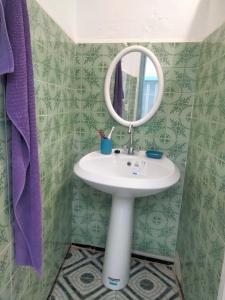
(53, 55)
(5, 230)
(156, 217)
(201, 239)
(69, 84)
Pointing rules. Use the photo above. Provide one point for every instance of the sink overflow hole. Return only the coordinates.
(129, 163)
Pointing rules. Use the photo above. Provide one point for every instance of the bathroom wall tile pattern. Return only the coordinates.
(156, 217)
(56, 109)
(201, 239)
(81, 278)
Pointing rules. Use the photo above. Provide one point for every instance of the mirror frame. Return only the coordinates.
(158, 100)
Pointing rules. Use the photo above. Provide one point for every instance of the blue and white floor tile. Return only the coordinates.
(80, 278)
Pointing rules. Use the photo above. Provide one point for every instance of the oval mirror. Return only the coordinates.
(134, 86)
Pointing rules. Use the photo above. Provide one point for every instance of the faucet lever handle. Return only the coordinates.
(130, 129)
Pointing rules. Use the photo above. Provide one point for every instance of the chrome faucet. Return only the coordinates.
(130, 146)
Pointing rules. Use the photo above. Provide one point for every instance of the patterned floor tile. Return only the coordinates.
(76, 258)
(81, 278)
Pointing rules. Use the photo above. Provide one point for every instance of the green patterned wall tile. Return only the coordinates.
(220, 211)
(165, 52)
(201, 238)
(21, 288)
(5, 229)
(2, 115)
(187, 55)
(5, 291)
(5, 266)
(3, 186)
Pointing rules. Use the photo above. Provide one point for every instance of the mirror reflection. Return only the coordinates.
(134, 86)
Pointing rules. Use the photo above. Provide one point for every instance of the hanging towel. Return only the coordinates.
(6, 55)
(118, 90)
(20, 107)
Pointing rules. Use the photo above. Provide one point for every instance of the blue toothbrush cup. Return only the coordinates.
(106, 146)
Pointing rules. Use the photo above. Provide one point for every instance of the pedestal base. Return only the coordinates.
(118, 247)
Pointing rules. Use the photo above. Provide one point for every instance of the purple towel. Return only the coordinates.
(6, 55)
(118, 90)
(20, 106)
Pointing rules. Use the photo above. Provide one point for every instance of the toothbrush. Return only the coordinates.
(109, 136)
(101, 134)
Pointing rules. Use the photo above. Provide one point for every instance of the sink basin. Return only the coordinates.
(125, 177)
(122, 174)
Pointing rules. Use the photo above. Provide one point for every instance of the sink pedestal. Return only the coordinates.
(125, 177)
(118, 247)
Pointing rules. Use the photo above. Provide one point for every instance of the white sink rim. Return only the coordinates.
(121, 182)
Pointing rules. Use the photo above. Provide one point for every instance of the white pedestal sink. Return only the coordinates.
(125, 177)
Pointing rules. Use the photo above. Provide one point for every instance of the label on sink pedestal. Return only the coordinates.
(113, 281)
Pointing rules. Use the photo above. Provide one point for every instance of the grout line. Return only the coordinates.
(60, 113)
(56, 85)
(209, 154)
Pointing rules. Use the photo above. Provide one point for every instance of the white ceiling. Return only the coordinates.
(90, 21)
